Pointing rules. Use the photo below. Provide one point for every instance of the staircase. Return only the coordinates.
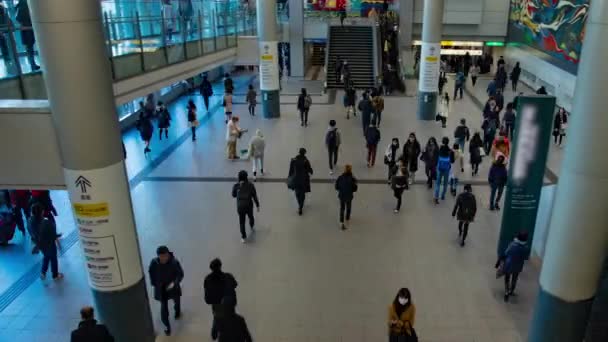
(318, 54)
(355, 44)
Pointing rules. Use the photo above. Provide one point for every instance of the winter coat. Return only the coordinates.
(474, 151)
(492, 87)
(508, 118)
(399, 181)
(90, 331)
(430, 156)
(405, 321)
(161, 275)
(498, 175)
(391, 154)
(251, 97)
(372, 136)
(465, 207)
(20, 198)
(230, 327)
(23, 17)
(206, 89)
(411, 151)
(228, 85)
(462, 132)
(515, 74)
(300, 169)
(350, 97)
(457, 169)
(47, 236)
(219, 285)
(164, 120)
(559, 124)
(378, 104)
(144, 125)
(515, 256)
(245, 195)
(257, 144)
(302, 102)
(366, 108)
(346, 185)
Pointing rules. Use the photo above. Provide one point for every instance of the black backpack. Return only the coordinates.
(332, 138)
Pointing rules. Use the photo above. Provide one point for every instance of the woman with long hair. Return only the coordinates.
(391, 156)
(430, 156)
(401, 317)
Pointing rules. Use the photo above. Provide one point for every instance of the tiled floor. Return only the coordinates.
(301, 278)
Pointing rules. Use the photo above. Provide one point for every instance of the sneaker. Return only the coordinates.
(168, 332)
(491, 208)
(243, 241)
(178, 315)
(396, 211)
(331, 172)
(436, 201)
(42, 276)
(342, 226)
(462, 243)
(496, 206)
(300, 211)
(58, 277)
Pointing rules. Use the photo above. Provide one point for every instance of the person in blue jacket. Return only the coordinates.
(512, 262)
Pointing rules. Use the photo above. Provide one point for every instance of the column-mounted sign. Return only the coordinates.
(106, 227)
(430, 58)
(269, 65)
(527, 167)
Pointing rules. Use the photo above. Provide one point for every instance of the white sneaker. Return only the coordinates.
(243, 241)
(331, 172)
(396, 211)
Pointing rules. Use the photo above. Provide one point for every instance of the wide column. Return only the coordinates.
(578, 240)
(296, 38)
(269, 57)
(428, 81)
(78, 80)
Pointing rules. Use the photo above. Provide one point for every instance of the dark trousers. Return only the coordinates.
(558, 138)
(398, 193)
(511, 282)
(164, 310)
(456, 89)
(160, 133)
(300, 197)
(474, 80)
(495, 194)
(378, 117)
(252, 109)
(304, 116)
(463, 229)
(50, 256)
(29, 49)
(243, 214)
(430, 172)
(345, 205)
(487, 142)
(371, 154)
(4, 48)
(333, 156)
(514, 85)
(509, 128)
(193, 133)
(475, 167)
(206, 101)
(19, 218)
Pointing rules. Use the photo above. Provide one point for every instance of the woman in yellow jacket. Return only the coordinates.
(401, 317)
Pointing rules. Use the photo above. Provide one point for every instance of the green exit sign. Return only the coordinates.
(495, 44)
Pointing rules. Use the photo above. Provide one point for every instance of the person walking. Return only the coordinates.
(475, 152)
(366, 109)
(462, 134)
(228, 83)
(515, 73)
(459, 83)
(192, 118)
(251, 100)
(560, 123)
(27, 33)
(89, 330)
(346, 185)
(372, 138)
(145, 128)
(511, 262)
(489, 126)
(444, 165)
(299, 177)
(430, 157)
(166, 274)
(46, 239)
(378, 106)
(464, 211)
(474, 71)
(246, 195)
(227, 103)
(257, 145)
(399, 182)
(7, 218)
(332, 142)
(391, 157)
(411, 152)
(492, 87)
(218, 285)
(501, 78)
(304, 103)
(19, 200)
(164, 120)
(497, 179)
(350, 98)
(401, 318)
(206, 91)
(457, 171)
(508, 121)
(233, 133)
(444, 110)
(228, 326)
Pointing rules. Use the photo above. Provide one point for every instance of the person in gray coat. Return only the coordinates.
(257, 144)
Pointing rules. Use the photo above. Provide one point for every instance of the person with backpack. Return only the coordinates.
(166, 275)
(475, 148)
(464, 211)
(350, 98)
(462, 134)
(304, 103)
(227, 103)
(298, 178)
(206, 91)
(411, 152)
(430, 156)
(145, 128)
(391, 157)
(228, 326)
(332, 142)
(346, 185)
(366, 109)
(372, 138)
(218, 285)
(399, 182)
(246, 195)
(378, 105)
(192, 118)
(257, 145)
(164, 120)
(511, 263)
(459, 83)
(444, 165)
(251, 100)
(497, 178)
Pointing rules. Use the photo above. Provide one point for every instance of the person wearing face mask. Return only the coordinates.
(390, 157)
(401, 318)
(400, 182)
(430, 156)
(411, 152)
(166, 274)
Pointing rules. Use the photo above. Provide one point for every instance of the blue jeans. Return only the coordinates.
(494, 197)
(454, 183)
(460, 142)
(442, 177)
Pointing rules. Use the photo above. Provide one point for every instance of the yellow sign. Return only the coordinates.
(92, 210)
(266, 57)
(431, 59)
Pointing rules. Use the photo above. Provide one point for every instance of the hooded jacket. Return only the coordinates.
(161, 275)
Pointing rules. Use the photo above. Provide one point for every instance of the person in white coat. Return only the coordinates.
(233, 133)
(457, 169)
(257, 144)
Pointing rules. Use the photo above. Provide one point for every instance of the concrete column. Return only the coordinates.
(296, 38)
(269, 57)
(432, 24)
(578, 240)
(406, 23)
(71, 42)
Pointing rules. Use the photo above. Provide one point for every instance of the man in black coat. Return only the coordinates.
(299, 177)
(166, 274)
(88, 329)
(246, 195)
(228, 326)
(206, 91)
(465, 210)
(218, 285)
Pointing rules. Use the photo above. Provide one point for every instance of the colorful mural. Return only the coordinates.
(556, 27)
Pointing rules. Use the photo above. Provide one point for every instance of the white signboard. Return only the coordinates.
(430, 58)
(269, 65)
(103, 215)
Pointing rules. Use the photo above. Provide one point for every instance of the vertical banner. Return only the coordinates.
(527, 167)
(269, 65)
(428, 81)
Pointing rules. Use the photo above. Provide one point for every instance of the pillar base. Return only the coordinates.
(556, 320)
(271, 104)
(427, 106)
(126, 313)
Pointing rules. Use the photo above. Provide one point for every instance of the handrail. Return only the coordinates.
(327, 56)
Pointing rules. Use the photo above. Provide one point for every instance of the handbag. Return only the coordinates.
(500, 270)
(291, 180)
(482, 152)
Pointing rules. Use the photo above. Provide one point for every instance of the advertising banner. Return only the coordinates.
(269, 65)
(430, 59)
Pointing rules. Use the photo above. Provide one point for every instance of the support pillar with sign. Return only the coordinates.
(430, 58)
(269, 58)
(71, 41)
